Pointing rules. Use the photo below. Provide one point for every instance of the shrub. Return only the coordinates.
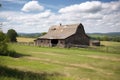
(3, 45)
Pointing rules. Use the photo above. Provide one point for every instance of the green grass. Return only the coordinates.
(107, 46)
(42, 63)
(22, 39)
(110, 43)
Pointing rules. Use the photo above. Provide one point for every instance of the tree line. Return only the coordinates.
(107, 38)
(31, 35)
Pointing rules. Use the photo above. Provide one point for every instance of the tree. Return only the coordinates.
(12, 34)
(0, 5)
(3, 45)
(43, 33)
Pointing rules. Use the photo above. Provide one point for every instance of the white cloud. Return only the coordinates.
(88, 6)
(47, 13)
(97, 17)
(24, 22)
(32, 6)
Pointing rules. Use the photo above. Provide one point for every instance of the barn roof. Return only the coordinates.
(60, 32)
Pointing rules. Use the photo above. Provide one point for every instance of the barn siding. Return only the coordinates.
(61, 43)
(47, 43)
(42, 42)
(79, 38)
(76, 39)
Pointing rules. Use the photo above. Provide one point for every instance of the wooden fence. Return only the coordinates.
(107, 49)
(25, 43)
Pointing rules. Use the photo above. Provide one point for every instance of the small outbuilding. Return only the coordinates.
(94, 43)
(64, 36)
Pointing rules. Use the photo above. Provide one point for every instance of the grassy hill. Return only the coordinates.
(42, 63)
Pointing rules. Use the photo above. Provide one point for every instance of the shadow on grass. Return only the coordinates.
(14, 54)
(22, 75)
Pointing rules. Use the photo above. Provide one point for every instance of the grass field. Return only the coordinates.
(22, 39)
(41, 63)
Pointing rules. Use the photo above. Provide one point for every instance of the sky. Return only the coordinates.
(36, 16)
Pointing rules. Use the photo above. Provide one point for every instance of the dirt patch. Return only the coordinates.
(104, 57)
(53, 54)
(83, 66)
(35, 58)
(83, 79)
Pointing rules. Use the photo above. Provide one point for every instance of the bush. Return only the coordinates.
(3, 45)
(3, 48)
(107, 38)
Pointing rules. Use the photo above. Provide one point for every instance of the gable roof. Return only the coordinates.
(61, 31)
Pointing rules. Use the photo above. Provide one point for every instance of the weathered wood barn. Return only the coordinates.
(64, 36)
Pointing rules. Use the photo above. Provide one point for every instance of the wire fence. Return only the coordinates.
(108, 49)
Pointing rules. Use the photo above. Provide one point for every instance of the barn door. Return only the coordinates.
(54, 42)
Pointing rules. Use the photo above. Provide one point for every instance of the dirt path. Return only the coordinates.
(102, 57)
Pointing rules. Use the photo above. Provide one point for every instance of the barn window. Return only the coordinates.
(54, 29)
(61, 42)
(41, 41)
(47, 41)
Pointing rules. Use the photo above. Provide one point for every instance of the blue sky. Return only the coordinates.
(31, 16)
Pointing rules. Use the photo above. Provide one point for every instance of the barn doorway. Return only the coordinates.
(54, 42)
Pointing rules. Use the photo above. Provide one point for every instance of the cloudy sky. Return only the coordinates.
(35, 16)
